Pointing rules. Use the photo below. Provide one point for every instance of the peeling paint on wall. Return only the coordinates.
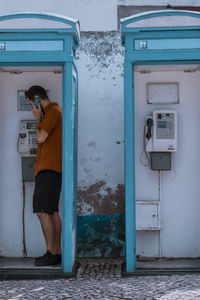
(103, 49)
(100, 199)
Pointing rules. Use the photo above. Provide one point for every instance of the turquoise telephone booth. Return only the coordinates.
(51, 40)
(168, 37)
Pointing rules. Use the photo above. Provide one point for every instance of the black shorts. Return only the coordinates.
(47, 191)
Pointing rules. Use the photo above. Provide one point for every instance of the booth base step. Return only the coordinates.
(22, 263)
(164, 266)
(24, 268)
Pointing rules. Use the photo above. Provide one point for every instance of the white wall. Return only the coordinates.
(94, 15)
(11, 197)
(160, 2)
(100, 109)
(180, 187)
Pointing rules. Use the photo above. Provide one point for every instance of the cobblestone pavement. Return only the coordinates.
(102, 280)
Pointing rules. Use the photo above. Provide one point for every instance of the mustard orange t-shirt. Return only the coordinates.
(49, 153)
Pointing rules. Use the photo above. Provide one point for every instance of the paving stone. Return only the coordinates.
(101, 279)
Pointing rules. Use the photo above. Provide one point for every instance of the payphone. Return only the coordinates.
(160, 138)
(27, 142)
(27, 148)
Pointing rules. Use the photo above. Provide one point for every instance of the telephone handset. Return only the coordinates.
(27, 140)
(147, 139)
(149, 124)
(37, 100)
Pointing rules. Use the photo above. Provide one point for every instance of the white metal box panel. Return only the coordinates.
(147, 215)
(162, 92)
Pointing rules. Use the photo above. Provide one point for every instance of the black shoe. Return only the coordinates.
(41, 257)
(48, 259)
(58, 258)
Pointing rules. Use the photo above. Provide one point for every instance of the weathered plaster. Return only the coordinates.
(101, 134)
(102, 49)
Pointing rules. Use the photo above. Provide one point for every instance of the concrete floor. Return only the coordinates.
(101, 279)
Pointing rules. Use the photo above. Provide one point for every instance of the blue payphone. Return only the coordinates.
(34, 39)
(151, 38)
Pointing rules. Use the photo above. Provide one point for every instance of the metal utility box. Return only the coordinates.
(161, 161)
(147, 215)
(28, 168)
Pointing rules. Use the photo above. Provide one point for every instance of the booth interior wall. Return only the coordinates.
(11, 192)
(179, 188)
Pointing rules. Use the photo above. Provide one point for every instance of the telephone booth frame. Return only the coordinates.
(151, 38)
(34, 39)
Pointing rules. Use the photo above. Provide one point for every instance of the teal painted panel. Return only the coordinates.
(129, 133)
(69, 176)
(37, 57)
(161, 44)
(44, 45)
(101, 235)
(176, 62)
(164, 55)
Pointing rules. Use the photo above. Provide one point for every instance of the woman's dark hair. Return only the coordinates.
(36, 90)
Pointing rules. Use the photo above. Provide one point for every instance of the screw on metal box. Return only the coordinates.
(143, 45)
(2, 46)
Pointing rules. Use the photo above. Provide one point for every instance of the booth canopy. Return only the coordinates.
(22, 22)
(160, 20)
